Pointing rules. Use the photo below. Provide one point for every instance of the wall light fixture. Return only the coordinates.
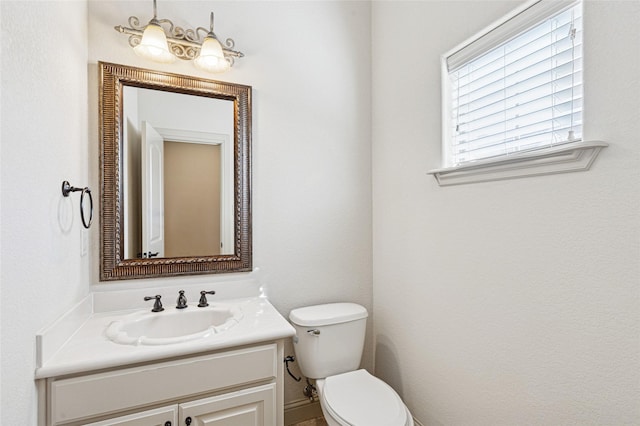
(160, 44)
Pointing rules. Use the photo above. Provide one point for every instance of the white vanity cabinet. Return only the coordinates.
(240, 386)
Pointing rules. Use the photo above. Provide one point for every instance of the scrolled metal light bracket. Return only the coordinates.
(184, 43)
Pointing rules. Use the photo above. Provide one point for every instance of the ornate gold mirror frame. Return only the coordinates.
(113, 265)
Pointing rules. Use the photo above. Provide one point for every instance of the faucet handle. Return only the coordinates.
(182, 300)
(203, 298)
(157, 306)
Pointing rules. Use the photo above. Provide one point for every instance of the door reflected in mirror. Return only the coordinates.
(178, 168)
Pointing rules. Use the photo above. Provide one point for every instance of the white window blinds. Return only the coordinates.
(518, 87)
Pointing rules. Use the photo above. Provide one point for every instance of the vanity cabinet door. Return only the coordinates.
(165, 416)
(249, 407)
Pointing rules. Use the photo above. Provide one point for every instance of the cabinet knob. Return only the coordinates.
(167, 423)
(187, 421)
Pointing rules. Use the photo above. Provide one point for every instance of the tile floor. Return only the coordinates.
(313, 422)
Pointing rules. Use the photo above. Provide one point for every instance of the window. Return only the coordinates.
(516, 88)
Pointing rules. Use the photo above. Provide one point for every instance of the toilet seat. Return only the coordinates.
(357, 398)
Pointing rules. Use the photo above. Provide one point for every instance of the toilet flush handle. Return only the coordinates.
(314, 331)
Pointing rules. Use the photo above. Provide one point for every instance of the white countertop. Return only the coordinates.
(88, 348)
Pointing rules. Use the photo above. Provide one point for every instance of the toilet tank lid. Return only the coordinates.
(330, 313)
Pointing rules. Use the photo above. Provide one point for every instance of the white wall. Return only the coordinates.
(512, 302)
(44, 141)
(309, 66)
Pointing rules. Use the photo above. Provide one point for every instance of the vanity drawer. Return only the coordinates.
(104, 393)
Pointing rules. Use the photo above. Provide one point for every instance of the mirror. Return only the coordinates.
(175, 174)
(178, 195)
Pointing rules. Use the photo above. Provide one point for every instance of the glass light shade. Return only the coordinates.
(211, 57)
(154, 45)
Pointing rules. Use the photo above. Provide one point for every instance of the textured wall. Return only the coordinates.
(512, 302)
(44, 141)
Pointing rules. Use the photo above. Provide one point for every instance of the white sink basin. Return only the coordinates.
(173, 325)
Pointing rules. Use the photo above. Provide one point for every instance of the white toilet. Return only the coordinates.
(328, 344)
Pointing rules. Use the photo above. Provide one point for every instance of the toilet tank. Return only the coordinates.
(329, 338)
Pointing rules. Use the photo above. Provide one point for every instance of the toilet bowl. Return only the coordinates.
(357, 399)
(328, 343)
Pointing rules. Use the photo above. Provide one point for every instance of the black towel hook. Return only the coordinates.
(67, 189)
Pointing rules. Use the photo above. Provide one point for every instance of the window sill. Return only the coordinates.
(571, 157)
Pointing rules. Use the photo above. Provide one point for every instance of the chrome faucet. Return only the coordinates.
(182, 300)
(157, 306)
